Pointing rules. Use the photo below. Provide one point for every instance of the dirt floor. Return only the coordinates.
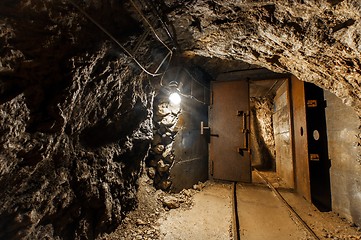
(205, 212)
(209, 218)
(263, 216)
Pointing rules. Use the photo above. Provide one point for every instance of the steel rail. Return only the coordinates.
(305, 225)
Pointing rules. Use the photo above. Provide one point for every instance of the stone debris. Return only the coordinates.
(338, 234)
(165, 184)
(162, 167)
(171, 202)
(169, 120)
(199, 186)
(153, 204)
(158, 149)
(163, 109)
(151, 172)
(140, 222)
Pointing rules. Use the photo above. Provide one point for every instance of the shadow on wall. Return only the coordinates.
(106, 132)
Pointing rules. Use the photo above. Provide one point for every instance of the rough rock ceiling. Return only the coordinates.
(317, 41)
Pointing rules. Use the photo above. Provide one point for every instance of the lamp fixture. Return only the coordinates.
(174, 91)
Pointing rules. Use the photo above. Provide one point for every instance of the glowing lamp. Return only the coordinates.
(175, 98)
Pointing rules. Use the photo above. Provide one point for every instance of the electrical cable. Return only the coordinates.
(150, 26)
(156, 12)
(192, 97)
(169, 55)
(195, 79)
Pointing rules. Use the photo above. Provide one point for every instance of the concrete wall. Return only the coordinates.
(342, 129)
(282, 134)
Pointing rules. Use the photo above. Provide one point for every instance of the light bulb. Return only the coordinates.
(174, 98)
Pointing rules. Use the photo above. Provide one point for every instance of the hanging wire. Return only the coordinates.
(193, 98)
(150, 25)
(165, 26)
(195, 79)
(169, 55)
(191, 95)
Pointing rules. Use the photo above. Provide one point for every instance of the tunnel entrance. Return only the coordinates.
(289, 136)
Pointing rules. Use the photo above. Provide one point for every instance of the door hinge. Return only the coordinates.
(211, 168)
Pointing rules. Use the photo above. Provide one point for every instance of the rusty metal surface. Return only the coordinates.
(226, 163)
(300, 138)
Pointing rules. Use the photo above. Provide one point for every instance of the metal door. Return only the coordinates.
(229, 126)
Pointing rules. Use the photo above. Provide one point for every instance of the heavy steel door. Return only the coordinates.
(319, 163)
(229, 126)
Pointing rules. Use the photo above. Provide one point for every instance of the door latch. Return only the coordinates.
(245, 131)
(207, 130)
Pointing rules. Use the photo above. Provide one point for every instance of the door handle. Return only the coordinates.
(245, 131)
(203, 128)
(208, 129)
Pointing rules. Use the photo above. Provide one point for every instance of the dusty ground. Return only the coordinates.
(209, 218)
(205, 213)
(326, 225)
(263, 216)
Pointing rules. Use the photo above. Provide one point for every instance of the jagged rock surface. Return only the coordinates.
(317, 41)
(161, 156)
(75, 123)
(263, 141)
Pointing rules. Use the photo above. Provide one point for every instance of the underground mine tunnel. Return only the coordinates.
(85, 109)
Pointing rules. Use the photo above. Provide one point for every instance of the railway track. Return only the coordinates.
(237, 226)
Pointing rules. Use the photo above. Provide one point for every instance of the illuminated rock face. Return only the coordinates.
(161, 156)
(317, 41)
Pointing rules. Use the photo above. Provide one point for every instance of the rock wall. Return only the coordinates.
(178, 158)
(161, 156)
(263, 141)
(75, 121)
